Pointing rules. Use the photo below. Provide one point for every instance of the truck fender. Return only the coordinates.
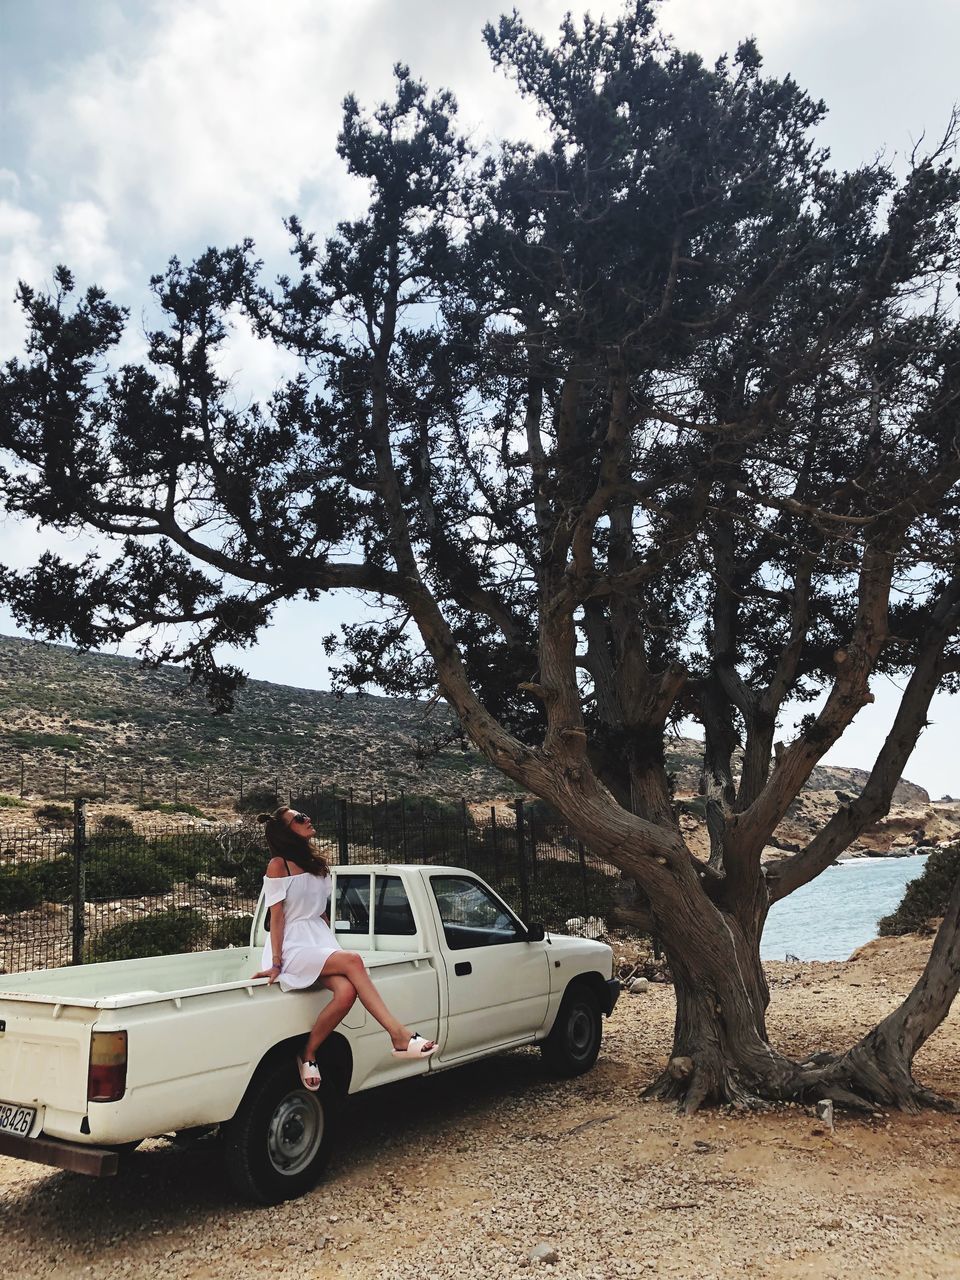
(605, 991)
(335, 1058)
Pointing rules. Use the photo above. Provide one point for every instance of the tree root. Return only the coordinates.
(855, 1081)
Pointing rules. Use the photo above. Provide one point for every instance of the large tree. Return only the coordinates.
(660, 420)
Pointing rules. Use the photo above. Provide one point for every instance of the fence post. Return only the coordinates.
(343, 842)
(241, 788)
(495, 842)
(403, 824)
(64, 781)
(21, 778)
(583, 877)
(464, 835)
(522, 855)
(79, 876)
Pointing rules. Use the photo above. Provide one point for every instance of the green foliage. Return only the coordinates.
(10, 802)
(557, 891)
(24, 740)
(925, 897)
(539, 814)
(158, 806)
(248, 867)
(61, 814)
(125, 867)
(53, 878)
(114, 822)
(161, 934)
(233, 931)
(18, 890)
(258, 800)
(696, 805)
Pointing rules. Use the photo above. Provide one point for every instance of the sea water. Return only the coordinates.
(831, 916)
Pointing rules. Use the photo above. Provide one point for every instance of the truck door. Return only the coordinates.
(497, 981)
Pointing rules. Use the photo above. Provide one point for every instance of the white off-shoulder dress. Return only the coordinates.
(308, 941)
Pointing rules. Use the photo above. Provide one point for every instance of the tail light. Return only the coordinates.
(108, 1066)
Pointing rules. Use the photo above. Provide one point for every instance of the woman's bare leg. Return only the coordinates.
(344, 997)
(350, 965)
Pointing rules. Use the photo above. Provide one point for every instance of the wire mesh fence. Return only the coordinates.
(533, 861)
(72, 894)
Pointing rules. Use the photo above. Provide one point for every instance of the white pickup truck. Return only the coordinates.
(96, 1058)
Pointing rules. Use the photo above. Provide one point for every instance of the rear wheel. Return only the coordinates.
(572, 1046)
(278, 1143)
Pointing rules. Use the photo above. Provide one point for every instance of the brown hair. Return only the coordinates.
(285, 843)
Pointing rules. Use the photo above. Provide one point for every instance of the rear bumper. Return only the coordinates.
(613, 993)
(97, 1162)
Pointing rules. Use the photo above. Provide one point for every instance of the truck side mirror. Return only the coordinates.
(535, 932)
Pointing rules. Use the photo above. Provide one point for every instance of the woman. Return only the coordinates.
(301, 949)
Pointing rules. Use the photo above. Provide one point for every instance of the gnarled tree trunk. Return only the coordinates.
(721, 1052)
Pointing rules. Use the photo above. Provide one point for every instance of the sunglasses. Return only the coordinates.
(300, 819)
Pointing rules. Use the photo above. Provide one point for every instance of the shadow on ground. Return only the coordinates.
(161, 1188)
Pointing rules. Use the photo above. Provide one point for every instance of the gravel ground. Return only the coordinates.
(463, 1175)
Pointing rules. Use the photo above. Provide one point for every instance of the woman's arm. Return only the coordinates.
(276, 935)
(275, 870)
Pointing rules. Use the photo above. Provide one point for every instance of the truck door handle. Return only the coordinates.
(463, 968)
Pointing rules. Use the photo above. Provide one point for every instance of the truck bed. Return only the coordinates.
(117, 984)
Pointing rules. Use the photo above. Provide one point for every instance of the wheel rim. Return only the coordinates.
(580, 1031)
(295, 1132)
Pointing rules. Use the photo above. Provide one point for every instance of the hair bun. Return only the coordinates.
(264, 817)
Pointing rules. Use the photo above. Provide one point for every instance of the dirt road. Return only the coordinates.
(464, 1174)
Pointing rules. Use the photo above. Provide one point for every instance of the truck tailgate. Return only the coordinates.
(44, 1053)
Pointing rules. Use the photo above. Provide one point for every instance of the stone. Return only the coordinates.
(585, 927)
(825, 1113)
(639, 985)
(680, 1068)
(543, 1253)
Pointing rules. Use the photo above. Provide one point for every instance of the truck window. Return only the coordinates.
(352, 913)
(471, 916)
(392, 912)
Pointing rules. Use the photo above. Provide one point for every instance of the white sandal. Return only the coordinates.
(309, 1074)
(417, 1048)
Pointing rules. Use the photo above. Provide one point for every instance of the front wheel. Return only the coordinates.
(280, 1140)
(572, 1046)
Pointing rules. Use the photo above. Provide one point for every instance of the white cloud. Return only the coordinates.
(183, 123)
(84, 240)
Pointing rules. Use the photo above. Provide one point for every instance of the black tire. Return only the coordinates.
(572, 1046)
(279, 1142)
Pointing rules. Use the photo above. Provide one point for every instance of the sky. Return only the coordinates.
(131, 130)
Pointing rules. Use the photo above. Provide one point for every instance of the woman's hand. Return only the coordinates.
(273, 973)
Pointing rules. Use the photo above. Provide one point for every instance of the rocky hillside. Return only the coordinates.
(93, 717)
(107, 726)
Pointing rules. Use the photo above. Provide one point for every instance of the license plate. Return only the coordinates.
(14, 1119)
